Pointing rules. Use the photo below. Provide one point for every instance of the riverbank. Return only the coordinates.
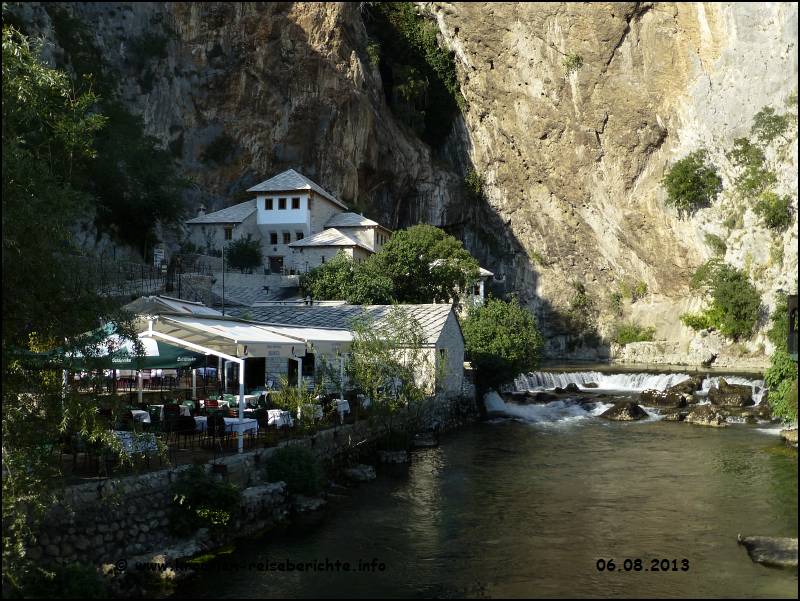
(508, 508)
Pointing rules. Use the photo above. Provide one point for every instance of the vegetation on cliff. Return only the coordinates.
(735, 302)
(627, 332)
(692, 183)
(419, 76)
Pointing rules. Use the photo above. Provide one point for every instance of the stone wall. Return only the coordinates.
(127, 519)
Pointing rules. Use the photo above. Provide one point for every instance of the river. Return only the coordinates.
(525, 506)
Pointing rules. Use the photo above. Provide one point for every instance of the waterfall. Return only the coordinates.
(556, 413)
(546, 380)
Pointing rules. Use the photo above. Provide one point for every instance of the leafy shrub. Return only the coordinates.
(767, 125)
(627, 332)
(779, 319)
(717, 244)
(374, 53)
(474, 184)
(72, 581)
(774, 210)
(776, 252)
(640, 291)
(781, 379)
(691, 183)
(735, 302)
(704, 320)
(502, 340)
(572, 62)
(201, 501)
(753, 176)
(297, 466)
(244, 254)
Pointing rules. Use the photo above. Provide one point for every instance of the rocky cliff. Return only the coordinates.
(572, 157)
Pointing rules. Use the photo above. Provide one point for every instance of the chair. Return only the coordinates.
(186, 427)
(155, 418)
(191, 405)
(216, 430)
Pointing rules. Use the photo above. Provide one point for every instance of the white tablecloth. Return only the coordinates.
(141, 416)
(136, 443)
(279, 417)
(342, 406)
(251, 399)
(184, 411)
(232, 424)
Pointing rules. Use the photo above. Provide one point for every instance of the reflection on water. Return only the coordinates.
(520, 510)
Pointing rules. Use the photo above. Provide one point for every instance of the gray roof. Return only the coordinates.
(152, 305)
(329, 237)
(234, 214)
(350, 220)
(432, 317)
(292, 180)
(246, 296)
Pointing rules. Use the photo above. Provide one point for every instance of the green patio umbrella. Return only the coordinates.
(115, 352)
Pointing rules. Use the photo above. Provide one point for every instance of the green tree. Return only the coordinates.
(49, 137)
(390, 363)
(329, 281)
(502, 341)
(369, 285)
(768, 125)
(133, 178)
(691, 182)
(735, 302)
(781, 376)
(426, 265)
(774, 210)
(244, 254)
(753, 175)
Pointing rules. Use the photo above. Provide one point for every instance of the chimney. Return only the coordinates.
(202, 210)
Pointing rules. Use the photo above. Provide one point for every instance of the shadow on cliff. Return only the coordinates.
(403, 195)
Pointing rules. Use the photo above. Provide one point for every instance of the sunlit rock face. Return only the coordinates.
(572, 160)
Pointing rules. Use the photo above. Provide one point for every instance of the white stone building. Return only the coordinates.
(299, 224)
(444, 339)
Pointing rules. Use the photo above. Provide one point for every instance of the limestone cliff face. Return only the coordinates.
(572, 161)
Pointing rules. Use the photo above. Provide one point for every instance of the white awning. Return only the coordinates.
(230, 336)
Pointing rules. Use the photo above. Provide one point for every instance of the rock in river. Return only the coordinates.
(687, 386)
(731, 395)
(659, 398)
(360, 473)
(706, 415)
(790, 436)
(572, 387)
(625, 411)
(781, 552)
